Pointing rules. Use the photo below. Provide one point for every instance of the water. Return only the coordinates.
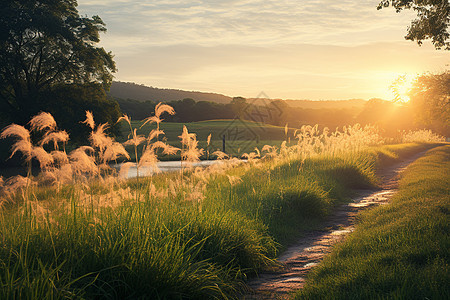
(165, 166)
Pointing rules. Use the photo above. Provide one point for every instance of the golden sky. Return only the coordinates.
(291, 49)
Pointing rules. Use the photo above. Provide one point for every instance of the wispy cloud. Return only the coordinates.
(284, 70)
(258, 22)
(289, 48)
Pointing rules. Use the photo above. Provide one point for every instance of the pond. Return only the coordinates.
(165, 166)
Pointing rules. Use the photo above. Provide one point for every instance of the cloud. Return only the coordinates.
(296, 71)
(288, 48)
(257, 22)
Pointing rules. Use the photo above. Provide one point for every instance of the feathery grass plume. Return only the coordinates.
(23, 143)
(135, 140)
(149, 158)
(81, 162)
(186, 136)
(42, 121)
(154, 133)
(48, 177)
(15, 130)
(64, 174)
(163, 108)
(23, 146)
(167, 149)
(89, 120)
(159, 110)
(271, 151)
(60, 157)
(422, 136)
(250, 156)
(284, 150)
(124, 169)
(258, 154)
(99, 139)
(208, 141)
(114, 151)
(190, 151)
(126, 118)
(170, 150)
(55, 137)
(286, 128)
(15, 183)
(220, 155)
(44, 158)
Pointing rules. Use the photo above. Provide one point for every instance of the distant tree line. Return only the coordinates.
(275, 113)
(429, 108)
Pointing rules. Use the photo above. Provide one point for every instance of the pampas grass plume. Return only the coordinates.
(41, 121)
(89, 120)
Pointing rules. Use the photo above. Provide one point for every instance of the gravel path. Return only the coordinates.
(299, 258)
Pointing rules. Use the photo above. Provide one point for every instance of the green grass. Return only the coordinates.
(398, 251)
(170, 246)
(241, 136)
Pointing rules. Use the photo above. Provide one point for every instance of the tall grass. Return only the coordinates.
(398, 251)
(77, 230)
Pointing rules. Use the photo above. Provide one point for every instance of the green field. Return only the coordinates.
(398, 251)
(240, 136)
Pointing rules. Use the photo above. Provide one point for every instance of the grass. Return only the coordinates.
(241, 136)
(398, 251)
(75, 231)
(84, 245)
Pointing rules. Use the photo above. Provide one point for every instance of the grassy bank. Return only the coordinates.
(191, 235)
(398, 251)
(77, 230)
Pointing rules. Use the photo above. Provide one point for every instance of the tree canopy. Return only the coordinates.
(44, 44)
(433, 18)
(430, 99)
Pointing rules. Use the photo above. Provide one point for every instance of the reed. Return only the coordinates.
(79, 230)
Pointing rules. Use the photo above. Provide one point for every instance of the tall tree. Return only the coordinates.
(433, 18)
(430, 99)
(46, 43)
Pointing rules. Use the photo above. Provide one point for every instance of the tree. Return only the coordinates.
(432, 22)
(239, 104)
(430, 100)
(43, 44)
(68, 104)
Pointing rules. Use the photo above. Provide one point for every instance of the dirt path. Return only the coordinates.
(299, 258)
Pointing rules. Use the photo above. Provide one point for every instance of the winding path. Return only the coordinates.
(299, 258)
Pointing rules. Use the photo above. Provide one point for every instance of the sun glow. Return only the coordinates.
(402, 86)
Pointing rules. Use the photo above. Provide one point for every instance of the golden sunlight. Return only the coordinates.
(401, 87)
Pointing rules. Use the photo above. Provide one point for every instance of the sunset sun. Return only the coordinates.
(401, 87)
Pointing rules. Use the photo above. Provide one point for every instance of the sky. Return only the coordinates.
(289, 49)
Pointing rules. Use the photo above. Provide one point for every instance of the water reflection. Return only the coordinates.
(165, 166)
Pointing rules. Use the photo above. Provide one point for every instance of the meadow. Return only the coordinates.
(398, 251)
(240, 135)
(77, 230)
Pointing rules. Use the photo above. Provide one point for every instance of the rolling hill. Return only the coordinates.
(129, 90)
